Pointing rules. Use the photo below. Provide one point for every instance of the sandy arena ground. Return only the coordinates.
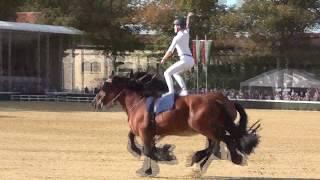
(68, 141)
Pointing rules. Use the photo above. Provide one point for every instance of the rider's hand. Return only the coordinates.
(162, 61)
(190, 14)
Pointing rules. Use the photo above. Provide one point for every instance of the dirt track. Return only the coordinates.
(67, 141)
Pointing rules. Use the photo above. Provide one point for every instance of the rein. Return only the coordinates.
(135, 105)
(118, 95)
(115, 98)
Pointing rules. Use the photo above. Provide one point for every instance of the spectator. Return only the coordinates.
(86, 90)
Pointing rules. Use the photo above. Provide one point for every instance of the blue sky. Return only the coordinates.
(231, 2)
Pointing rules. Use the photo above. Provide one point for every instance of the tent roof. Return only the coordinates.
(5, 25)
(285, 78)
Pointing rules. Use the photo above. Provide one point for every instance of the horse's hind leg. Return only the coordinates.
(231, 144)
(132, 146)
(200, 155)
(203, 156)
(197, 157)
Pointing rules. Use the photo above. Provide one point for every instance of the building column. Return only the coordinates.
(1, 55)
(82, 64)
(61, 62)
(48, 62)
(73, 63)
(9, 61)
(38, 64)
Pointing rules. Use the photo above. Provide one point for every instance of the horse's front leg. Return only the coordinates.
(202, 155)
(132, 145)
(150, 166)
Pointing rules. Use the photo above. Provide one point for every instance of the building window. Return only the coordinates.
(95, 67)
(86, 67)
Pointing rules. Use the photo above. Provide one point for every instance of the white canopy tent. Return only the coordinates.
(285, 78)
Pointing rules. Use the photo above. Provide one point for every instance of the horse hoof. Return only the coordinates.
(167, 147)
(244, 160)
(195, 175)
(145, 173)
(237, 159)
(172, 157)
(190, 161)
(148, 172)
(196, 168)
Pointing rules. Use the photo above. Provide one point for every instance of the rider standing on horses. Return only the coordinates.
(186, 62)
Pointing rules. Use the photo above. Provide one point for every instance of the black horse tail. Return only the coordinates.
(249, 138)
(246, 140)
(243, 122)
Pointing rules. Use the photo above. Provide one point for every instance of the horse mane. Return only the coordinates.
(148, 84)
(142, 83)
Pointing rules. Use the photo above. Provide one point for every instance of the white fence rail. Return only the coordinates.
(51, 98)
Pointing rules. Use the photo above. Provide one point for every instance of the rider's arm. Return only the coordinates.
(171, 48)
(188, 20)
(166, 56)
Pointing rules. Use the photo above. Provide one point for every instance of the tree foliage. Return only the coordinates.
(159, 15)
(8, 9)
(274, 22)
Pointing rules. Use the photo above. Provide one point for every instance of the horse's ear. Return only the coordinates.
(111, 75)
(131, 74)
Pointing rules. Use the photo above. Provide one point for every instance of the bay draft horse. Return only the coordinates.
(211, 115)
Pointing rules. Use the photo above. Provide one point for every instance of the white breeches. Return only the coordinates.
(185, 63)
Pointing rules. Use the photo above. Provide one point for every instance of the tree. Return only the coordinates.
(276, 30)
(8, 9)
(159, 15)
(274, 24)
(108, 24)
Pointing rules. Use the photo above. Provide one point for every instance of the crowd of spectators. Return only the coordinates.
(260, 94)
(312, 94)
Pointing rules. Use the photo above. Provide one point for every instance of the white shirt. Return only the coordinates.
(181, 43)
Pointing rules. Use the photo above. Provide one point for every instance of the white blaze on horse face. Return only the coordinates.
(109, 80)
(100, 96)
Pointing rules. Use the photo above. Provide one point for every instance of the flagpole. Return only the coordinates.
(197, 70)
(194, 53)
(206, 62)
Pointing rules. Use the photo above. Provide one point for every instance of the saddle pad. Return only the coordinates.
(164, 103)
(161, 104)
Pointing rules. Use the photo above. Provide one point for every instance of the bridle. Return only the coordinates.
(120, 93)
(114, 99)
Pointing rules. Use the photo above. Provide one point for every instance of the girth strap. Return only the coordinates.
(150, 108)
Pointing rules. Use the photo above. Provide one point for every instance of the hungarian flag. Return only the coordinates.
(196, 51)
(207, 49)
(201, 51)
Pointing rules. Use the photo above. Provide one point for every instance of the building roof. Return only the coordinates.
(14, 26)
(285, 78)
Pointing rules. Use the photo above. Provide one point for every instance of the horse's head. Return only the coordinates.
(110, 92)
(141, 83)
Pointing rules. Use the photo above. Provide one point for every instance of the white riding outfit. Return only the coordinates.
(186, 62)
